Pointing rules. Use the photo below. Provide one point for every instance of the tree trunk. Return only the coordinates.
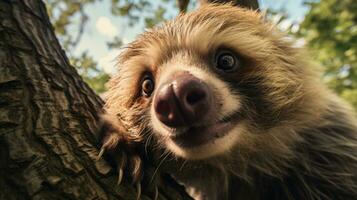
(251, 4)
(48, 117)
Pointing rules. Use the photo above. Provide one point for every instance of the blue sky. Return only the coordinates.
(103, 26)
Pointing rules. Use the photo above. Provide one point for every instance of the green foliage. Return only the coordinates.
(67, 16)
(157, 18)
(69, 20)
(87, 68)
(64, 16)
(330, 30)
(116, 43)
(151, 12)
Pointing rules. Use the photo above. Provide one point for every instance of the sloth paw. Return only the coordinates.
(122, 150)
(126, 159)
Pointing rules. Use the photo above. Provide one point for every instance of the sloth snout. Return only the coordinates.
(183, 101)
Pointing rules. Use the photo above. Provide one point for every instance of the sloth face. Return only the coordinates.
(208, 81)
(193, 107)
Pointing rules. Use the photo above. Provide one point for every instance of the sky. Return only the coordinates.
(102, 27)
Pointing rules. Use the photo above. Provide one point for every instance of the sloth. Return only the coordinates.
(236, 107)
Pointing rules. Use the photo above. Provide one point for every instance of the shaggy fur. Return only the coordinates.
(297, 140)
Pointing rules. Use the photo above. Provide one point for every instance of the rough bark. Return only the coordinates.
(48, 117)
(252, 4)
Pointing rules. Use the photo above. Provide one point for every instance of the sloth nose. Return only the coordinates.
(183, 101)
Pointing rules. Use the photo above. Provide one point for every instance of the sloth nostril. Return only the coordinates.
(164, 108)
(195, 97)
(167, 108)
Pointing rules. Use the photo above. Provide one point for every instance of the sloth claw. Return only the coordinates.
(138, 190)
(121, 160)
(120, 176)
(124, 149)
(127, 159)
(131, 163)
(137, 168)
(101, 152)
(156, 195)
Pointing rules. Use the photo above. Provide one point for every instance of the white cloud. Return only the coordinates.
(106, 27)
(108, 62)
(126, 40)
(299, 43)
(285, 24)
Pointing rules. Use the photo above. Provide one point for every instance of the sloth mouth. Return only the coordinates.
(193, 136)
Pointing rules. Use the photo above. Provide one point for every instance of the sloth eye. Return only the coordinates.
(227, 61)
(147, 86)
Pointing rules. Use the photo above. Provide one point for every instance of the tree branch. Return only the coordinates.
(251, 4)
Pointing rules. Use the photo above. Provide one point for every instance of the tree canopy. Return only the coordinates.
(329, 30)
(70, 18)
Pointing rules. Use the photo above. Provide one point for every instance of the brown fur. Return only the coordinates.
(299, 141)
